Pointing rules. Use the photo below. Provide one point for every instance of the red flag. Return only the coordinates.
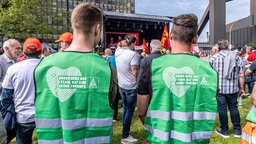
(165, 38)
(145, 47)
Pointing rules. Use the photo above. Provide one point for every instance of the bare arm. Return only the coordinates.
(135, 72)
(113, 86)
(142, 104)
(241, 83)
(248, 72)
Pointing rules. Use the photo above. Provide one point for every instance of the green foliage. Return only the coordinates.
(251, 44)
(5, 4)
(26, 18)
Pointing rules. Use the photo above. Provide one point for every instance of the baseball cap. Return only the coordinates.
(67, 37)
(243, 49)
(32, 45)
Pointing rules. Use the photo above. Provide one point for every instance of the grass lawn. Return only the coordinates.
(137, 129)
(138, 132)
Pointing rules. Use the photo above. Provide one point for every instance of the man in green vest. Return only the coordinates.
(75, 87)
(183, 104)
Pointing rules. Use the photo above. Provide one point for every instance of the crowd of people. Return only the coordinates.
(72, 96)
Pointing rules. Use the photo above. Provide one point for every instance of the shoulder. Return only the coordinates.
(18, 65)
(2, 59)
(144, 61)
(13, 69)
(1, 56)
(254, 63)
(133, 54)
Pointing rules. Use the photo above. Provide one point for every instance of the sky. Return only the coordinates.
(235, 10)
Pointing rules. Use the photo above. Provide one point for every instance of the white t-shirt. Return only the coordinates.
(20, 78)
(125, 58)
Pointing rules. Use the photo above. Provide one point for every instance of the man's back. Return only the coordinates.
(144, 76)
(76, 95)
(185, 94)
(125, 58)
(20, 78)
(227, 85)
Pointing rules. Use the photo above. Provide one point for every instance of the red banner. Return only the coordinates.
(145, 47)
(165, 38)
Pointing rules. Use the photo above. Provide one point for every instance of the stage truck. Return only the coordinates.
(143, 26)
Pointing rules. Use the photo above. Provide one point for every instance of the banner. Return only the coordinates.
(165, 38)
(145, 47)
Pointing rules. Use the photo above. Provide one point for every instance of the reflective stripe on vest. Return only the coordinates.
(249, 139)
(253, 109)
(249, 133)
(94, 140)
(73, 124)
(185, 137)
(183, 116)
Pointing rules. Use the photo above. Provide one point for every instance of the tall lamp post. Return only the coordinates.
(207, 36)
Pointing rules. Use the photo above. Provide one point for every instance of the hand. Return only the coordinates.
(241, 93)
(145, 142)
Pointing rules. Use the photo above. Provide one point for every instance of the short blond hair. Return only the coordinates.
(85, 16)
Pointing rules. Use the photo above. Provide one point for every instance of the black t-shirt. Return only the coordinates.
(253, 67)
(144, 76)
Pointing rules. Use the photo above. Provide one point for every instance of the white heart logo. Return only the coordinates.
(179, 80)
(55, 76)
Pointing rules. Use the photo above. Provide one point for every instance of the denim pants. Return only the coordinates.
(115, 104)
(24, 132)
(230, 101)
(129, 100)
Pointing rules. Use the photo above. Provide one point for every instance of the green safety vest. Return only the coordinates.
(72, 104)
(251, 116)
(183, 105)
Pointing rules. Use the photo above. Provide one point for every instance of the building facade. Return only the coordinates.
(242, 32)
(123, 6)
(65, 7)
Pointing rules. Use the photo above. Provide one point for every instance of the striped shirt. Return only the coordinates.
(227, 86)
(245, 62)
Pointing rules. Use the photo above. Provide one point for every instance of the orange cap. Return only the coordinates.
(67, 37)
(32, 45)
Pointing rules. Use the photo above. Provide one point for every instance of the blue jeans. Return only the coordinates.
(129, 100)
(24, 132)
(251, 85)
(229, 100)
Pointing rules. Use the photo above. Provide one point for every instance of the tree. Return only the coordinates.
(26, 18)
(251, 44)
